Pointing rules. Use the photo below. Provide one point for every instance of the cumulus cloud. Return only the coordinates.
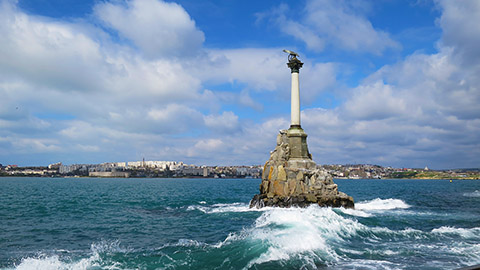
(459, 22)
(207, 146)
(265, 70)
(60, 81)
(333, 23)
(71, 88)
(58, 56)
(375, 101)
(419, 110)
(157, 28)
(175, 118)
(44, 51)
(28, 145)
(75, 88)
(260, 69)
(226, 122)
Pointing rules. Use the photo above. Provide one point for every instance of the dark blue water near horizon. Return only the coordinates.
(92, 223)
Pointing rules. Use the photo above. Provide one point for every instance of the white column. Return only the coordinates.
(295, 108)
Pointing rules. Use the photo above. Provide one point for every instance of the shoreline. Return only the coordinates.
(246, 178)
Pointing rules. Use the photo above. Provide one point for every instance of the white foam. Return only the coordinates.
(374, 264)
(189, 243)
(53, 262)
(383, 253)
(462, 232)
(360, 210)
(197, 207)
(355, 212)
(381, 204)
(226, 208)
(294, 232)
(317, 233)
(107, 247)
(352, 251)
(475, 193)
(467, 253)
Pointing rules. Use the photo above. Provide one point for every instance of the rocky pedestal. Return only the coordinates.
(291, 178)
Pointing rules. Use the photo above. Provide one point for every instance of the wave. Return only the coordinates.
(475, 193)
(471, 233)
(226, 208)
(94, 261)
(54, 263)
(368, 208)
(382, 204)
(360, 208)
(319, 236)
(355, 212)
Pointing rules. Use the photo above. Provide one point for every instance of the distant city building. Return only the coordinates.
(180, 169)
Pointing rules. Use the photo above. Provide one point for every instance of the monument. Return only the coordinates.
(290, 177)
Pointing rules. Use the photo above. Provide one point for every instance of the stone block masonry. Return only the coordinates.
(296, 181)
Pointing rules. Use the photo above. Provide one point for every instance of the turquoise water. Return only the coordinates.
(91, 223)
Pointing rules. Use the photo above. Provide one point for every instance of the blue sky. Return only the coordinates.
(393, 83)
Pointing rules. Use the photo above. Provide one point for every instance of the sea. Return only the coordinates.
(93, 223)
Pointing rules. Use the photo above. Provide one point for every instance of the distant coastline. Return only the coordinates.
(169, 169)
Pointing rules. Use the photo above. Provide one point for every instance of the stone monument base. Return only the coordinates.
(299, 182)
(262, 200)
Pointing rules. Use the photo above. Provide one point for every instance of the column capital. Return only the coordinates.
(294, 64)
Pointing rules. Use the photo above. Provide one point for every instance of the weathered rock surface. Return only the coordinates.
(288, 182)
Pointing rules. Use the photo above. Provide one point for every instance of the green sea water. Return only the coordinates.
(91, 223)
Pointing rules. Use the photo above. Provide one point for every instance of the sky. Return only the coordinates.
(386, 82)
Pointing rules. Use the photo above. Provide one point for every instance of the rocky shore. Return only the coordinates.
(292, 181)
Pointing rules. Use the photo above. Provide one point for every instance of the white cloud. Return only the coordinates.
(209, 145)
(259, 69)
(175, 118)
(63, 57)
(334, 23)
(459, 22)
(420, 110)
(374, 101)
(265, 70)
(227, 122)
(315, 79)
(156, 27)
(115, 102)
(87, 148)
(31, 146)
(44, 51)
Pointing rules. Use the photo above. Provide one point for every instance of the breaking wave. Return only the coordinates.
(317, 236)
(369, 208)
(382, 204)
(362, 209)
(56, 262)
(323, 236)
